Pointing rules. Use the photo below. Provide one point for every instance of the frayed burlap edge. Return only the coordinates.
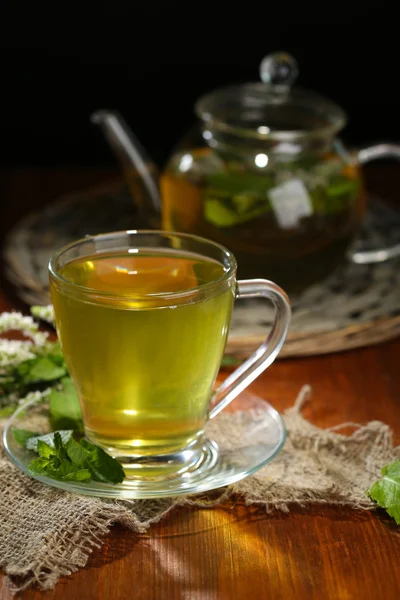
(48, 534)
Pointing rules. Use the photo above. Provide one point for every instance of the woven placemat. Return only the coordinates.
(357, 306)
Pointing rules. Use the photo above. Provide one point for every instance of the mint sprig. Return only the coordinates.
(62, 457)
(386, 491)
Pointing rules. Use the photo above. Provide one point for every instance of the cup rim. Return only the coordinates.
(231, 272)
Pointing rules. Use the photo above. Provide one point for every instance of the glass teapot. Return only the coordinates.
(263, 173)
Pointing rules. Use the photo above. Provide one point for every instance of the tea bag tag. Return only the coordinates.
(290, 202)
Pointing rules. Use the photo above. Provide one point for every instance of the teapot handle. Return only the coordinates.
(366, 155)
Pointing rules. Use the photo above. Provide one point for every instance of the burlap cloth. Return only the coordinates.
(46, 533)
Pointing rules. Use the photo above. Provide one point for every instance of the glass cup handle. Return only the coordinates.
(237, 381)
(366, 155)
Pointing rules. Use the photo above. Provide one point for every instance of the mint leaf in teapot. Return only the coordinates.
(386, 491)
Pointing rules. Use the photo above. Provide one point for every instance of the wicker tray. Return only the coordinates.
(357, 306)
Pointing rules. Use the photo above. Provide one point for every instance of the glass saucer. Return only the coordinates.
(259, 435)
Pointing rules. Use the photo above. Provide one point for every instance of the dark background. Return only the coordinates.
(151, 60)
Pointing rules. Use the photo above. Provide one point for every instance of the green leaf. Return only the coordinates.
(80, 475)
(59, 447)
(61, 470)
(45, 369)
(40, 369)
(55, 354)
(386, 491)
(61, 457)
(21, 436)
(233, 197)
(216, 213)
(103, 467)
(341, 187)
(44, 450)
(65, 410)
(39, 466)
(226, 212)
(48, 438)
(77, 453)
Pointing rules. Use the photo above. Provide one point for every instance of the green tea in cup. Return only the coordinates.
(144, 367)
(143, 319)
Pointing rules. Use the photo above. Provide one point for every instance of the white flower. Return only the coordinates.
(46, 313)
(13, 352)
(15, 321)
(35, 396)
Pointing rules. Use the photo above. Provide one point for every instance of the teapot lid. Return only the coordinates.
(271, 108)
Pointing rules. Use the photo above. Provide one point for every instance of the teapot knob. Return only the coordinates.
(279, 68)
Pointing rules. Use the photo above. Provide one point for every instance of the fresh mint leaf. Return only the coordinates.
(65, 410)
(386, 491)
(48, 438)
(102, 466)
(59, 446)
(38, 466)
(40, 369)
(61, 457)
(61, 470)
(77, 453)
(45, 369)
(44, 450)
(21, 436)
(55, 354)
(81, 475)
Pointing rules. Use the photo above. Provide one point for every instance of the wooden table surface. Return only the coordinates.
(232, 552)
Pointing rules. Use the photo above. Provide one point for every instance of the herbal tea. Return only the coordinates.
(144, 364)
(290, 222)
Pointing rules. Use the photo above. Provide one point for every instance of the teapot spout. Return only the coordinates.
(135, 162)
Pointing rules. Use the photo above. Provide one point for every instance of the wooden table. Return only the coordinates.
(238, 553)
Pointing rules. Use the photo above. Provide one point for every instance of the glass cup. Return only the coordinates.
(143, 318)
